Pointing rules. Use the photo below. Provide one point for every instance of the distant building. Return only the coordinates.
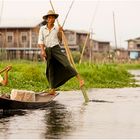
(76, 40)
(121, 54)
(19, 36)
(134, 48)
(99, 50)
(100, 46)
(19, 40)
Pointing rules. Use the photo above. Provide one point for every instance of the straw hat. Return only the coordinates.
(50, 13)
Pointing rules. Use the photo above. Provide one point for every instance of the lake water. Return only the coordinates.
(110, 114)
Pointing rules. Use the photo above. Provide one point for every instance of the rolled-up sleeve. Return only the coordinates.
(40, 36)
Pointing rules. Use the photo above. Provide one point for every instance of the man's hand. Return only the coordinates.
(60, 29)
(43, 52)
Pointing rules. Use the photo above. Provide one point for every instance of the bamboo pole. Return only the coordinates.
(114, 25)
(70, 58)
(67, 13)
(73, 64)
(88, 35)
(83, 49)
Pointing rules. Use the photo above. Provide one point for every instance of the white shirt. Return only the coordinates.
(48, 38)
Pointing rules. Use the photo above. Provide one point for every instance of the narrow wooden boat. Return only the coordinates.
(40, 102)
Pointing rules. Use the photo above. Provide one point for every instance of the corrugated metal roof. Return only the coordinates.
(77, 31)
(101, 41)
(23, 49)
(134, 39)
(19, 23)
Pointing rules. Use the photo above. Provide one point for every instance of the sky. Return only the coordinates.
(87, 15)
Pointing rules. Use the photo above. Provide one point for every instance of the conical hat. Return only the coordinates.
(50, 13)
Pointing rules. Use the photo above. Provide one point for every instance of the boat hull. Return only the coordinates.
(6, 103)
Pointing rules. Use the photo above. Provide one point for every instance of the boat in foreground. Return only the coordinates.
(40, 102)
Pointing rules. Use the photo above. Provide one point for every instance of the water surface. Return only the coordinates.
(111, 114)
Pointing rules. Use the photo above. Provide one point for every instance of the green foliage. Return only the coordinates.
(131, 65)
(26, 75)
(105, 75)
(31, 76)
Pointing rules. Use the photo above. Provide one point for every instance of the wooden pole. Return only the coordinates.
(115, 36)
(30, 38)
(90, 46)
(67, 13)
(83, 49)
(88, 35)
(73, 64)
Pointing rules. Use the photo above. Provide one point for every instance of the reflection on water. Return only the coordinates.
(111, 114)
(9, 113)
(52, 122)
(101, 101)
(5, 118)
(58, 121)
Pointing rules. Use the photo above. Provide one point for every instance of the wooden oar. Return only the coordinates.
(73, 64)
(70, 58)
(88, 35)
(83, 49)
(67, 13)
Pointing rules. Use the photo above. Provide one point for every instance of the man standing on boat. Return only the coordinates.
(58, 69)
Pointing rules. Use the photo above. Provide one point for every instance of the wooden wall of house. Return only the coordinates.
(103, 46)
(71, 37)
(81, 38)
(131, 44)
(94, 45)
(18, 38)
(134, 44)
(33, 55)
(121, 55)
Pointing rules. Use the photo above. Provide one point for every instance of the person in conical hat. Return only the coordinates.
(58, 70)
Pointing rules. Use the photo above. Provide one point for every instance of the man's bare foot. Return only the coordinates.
(52, 92)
